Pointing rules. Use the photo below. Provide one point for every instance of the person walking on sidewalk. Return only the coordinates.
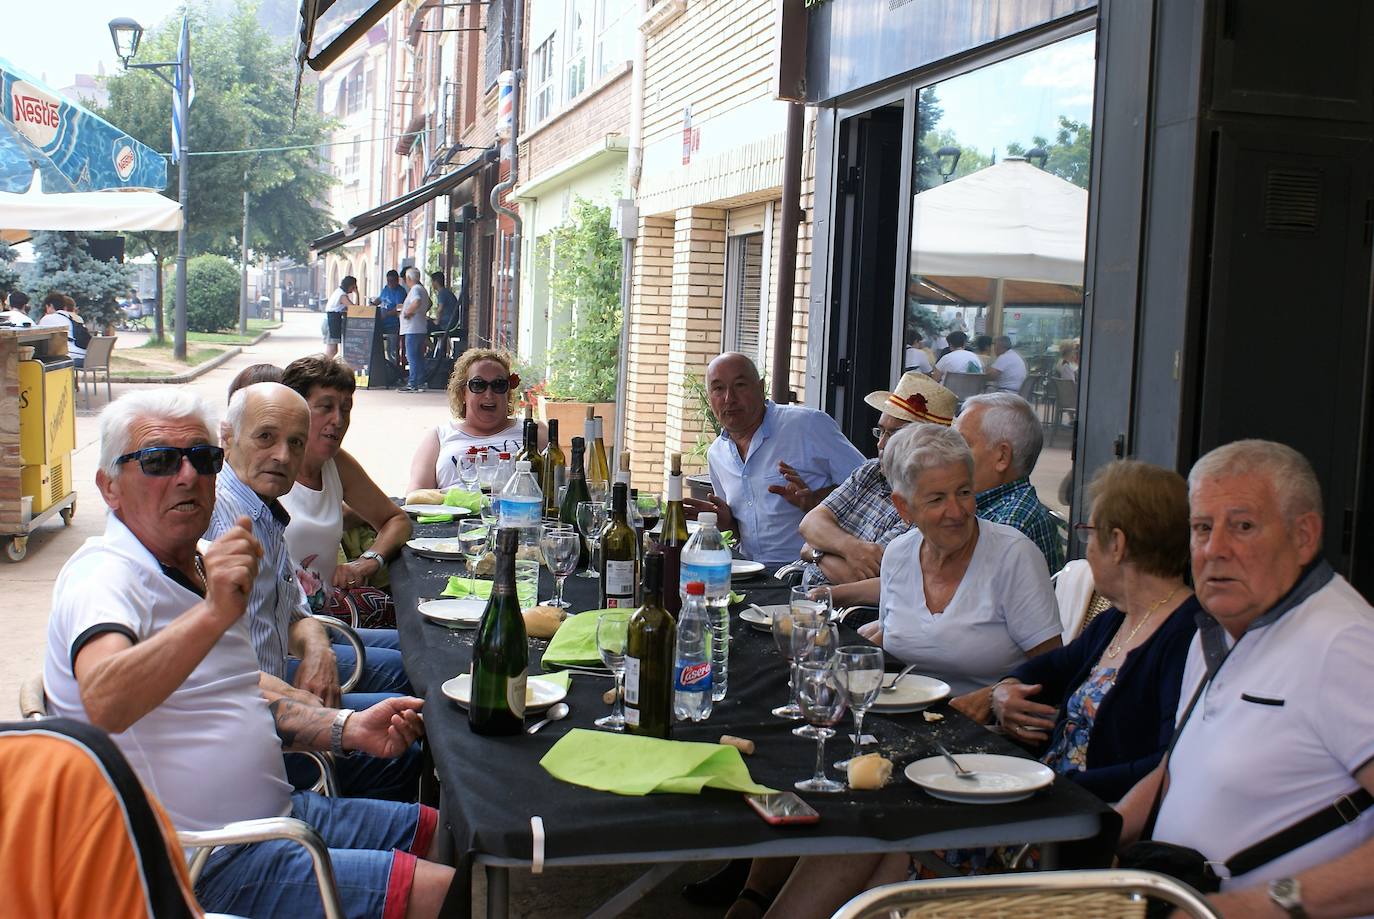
(415, 329)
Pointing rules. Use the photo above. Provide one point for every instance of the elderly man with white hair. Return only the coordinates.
(148, 640)
(415, 329)
(1271, 770)
(1005, 437)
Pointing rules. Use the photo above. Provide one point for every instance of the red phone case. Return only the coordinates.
(782, 819)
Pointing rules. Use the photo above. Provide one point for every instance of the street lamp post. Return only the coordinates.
(127, 34)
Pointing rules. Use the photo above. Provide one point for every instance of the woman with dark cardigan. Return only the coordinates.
(1101, 710)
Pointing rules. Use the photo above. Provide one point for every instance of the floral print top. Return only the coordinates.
(1069, 752)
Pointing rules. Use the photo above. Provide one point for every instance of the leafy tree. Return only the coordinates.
(971, 159)
(585, 284)
(1070, 156)
(212, 294)
(928, 115)
(62, 264)
(9, 278)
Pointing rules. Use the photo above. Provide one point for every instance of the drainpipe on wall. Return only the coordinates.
(635, 163)
(626, 220)
(781, 391)
(517, 21)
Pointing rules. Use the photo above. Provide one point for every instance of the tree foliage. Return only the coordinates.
(212, 294)
(585, 285)
(243, 83)
(62, 264)
(9, 277)
(1070, 156)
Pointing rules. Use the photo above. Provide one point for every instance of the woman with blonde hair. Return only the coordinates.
(482, 392)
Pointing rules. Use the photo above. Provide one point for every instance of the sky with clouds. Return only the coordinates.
(58, 39)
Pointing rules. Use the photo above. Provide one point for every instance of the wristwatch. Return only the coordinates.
(336, 731)
(1287, 895)
(376, 557)
(816, 556)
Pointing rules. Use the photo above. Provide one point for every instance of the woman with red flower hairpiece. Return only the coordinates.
(482, 392)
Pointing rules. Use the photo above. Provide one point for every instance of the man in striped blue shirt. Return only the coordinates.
(264, 434)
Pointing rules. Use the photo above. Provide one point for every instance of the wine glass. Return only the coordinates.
(784, 621)
(560, 546)
(598, 491)
(816, 599)
(813, 641)
(487, 464)
(472, 538)
(859, 673)
(467, 471)
(822, 705)
(612, 632)
(650, 509)
(490, 513)
(591, 520)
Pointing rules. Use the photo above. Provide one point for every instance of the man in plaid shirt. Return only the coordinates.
(848, 531)
(1005, 438)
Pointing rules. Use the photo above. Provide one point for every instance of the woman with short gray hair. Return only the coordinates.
(965, 600)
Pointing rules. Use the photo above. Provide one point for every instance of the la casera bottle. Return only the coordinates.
(555, 471)
(500, 655)
(649, 659)
(619, 555)
(674, 537)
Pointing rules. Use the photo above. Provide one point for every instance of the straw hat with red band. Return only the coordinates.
(917, 398)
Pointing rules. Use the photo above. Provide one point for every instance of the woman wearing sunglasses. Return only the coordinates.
(481, 396)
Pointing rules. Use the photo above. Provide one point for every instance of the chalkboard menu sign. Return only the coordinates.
(362, 343)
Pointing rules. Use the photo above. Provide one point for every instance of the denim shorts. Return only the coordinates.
(372, 844)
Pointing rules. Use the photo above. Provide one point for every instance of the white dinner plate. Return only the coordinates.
(744, 568)
(539, 694)
(692, 527)
(429, 510)
(999, 779)
(443, 547)
(461, 612)
(763, 621)
(913, 694)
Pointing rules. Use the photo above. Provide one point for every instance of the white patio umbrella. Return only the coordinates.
(1011, 221)
(89, 211)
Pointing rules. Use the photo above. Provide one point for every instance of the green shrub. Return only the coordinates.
(212, 294)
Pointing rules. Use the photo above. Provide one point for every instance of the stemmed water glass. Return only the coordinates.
(472, 538)
(487, 464)
(612, 632)
(859, 673)
(815, 641)
(591, 520)
(467, 470)
(784, 623)
(822, 705)
(560, 545)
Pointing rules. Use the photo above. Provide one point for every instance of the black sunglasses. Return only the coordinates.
(205, 459)
(499, 385)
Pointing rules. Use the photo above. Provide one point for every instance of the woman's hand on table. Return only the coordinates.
(976, 705)
(1019, 716)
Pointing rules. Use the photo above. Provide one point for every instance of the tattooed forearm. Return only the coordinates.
(301, 727)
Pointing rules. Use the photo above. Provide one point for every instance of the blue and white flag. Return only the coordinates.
(179, 116)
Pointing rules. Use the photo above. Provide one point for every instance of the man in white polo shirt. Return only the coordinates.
(1282, 730)
(148, 640)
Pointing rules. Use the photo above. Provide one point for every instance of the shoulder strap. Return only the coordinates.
(1149, 830)
(1343, 810)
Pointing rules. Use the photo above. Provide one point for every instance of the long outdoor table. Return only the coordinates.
(492, 786)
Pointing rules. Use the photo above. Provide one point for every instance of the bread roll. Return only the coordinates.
(869, 771)
(426, 496)
(608, 696)
(742, 744)
(542, 621)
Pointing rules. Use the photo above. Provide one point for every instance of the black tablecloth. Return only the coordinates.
(493, 785)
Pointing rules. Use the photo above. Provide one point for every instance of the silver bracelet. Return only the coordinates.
(336, 731)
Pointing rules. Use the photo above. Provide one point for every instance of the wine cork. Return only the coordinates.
(869, 771)
(742, 744)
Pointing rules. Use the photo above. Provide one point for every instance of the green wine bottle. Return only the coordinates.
(619, 555)
(575, 494)
(649, 659)
(555, 475)
(530, 451)
(673, 538)
(500, 653)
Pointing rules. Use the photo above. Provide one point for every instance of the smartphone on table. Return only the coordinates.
(783, 808)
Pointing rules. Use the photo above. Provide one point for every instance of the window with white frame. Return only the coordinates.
(353, 158)
(353, 92)
(579, 29)
(576, 44)
(614, 34)
(744, 295)
(543, 88)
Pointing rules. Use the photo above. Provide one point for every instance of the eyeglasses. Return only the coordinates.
(880, 432)
(161, 461)
(499, 385)
(1084, 532)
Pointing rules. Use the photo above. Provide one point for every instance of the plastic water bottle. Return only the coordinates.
(521, 504)
(692, 657)
(706, 559)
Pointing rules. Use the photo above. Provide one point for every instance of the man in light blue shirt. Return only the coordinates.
(771, 463)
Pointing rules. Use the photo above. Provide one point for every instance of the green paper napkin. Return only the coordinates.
(468, 500)
(434, 518)
(458, 586)
(562, 678)
(728, 538)
(574, 644)
(736, 597)
(628, 765)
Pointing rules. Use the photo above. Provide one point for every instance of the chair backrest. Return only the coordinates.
(1053, 894)
(1066, 393)
(964, 385)
(70, 799)
(1073, 591)
(98, 352)
(1028, 385)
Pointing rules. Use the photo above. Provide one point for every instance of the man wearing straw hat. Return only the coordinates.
(848, 531)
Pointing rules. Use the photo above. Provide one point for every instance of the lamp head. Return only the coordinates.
(949, 160)
(126, 34)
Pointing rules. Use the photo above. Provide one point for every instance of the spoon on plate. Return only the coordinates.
(960, 771)
(556, 712)
(891, 687)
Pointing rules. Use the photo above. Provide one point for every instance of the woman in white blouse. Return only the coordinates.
(964, 599)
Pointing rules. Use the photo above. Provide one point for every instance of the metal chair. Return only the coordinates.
(350, 637)
(97, 361)
(1044, 894)
(964, 385)
(1065, 402)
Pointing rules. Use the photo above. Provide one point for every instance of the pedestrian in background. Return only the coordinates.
(415, 329)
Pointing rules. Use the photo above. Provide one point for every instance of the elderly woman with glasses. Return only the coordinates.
(481, 396)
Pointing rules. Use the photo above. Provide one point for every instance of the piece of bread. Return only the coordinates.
(542, 621)
(869, 771)
(609, 696)
(426, 496)
(742, 744)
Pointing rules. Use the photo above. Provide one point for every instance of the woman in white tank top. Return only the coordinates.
(481, 395)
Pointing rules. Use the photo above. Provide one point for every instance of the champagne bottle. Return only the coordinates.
(619, 556)
(598, 477)
(500, 654)
(649, 659)
(530, 451)
(576, 494)
(673, 538)
(555, 471)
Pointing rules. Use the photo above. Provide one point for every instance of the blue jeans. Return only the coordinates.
(276, 878)
(415, 357)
